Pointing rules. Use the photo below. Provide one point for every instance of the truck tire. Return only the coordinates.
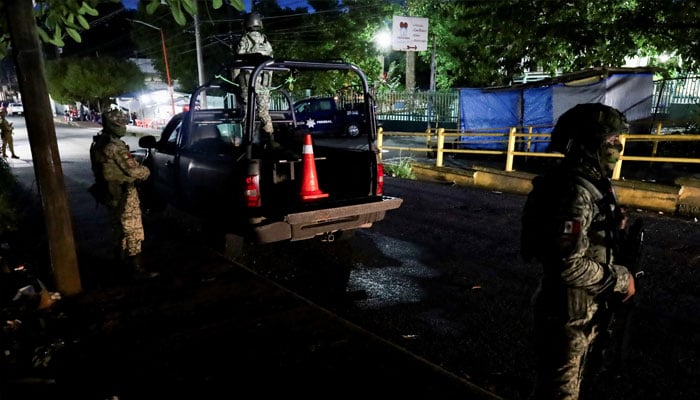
(352, 130)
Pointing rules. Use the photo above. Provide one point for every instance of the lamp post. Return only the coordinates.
(165, 57)
(383, 42)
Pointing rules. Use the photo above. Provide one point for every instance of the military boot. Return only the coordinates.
(136, 264)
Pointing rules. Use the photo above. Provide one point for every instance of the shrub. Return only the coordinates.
(400, 169)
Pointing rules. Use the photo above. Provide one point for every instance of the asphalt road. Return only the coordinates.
(437, 298)
(205, 327)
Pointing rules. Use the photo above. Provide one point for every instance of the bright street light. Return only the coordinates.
(165, 57)
(383, 42)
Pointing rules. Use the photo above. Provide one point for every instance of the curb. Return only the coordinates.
(682, 199)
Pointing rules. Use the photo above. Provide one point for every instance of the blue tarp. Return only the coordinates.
(486, 111)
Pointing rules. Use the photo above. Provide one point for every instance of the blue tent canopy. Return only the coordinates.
(538, 105)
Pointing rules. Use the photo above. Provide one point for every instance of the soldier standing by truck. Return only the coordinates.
(254, 41)
(116, 172)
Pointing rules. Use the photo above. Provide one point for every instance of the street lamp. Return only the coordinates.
(383, 42)
(165, 57)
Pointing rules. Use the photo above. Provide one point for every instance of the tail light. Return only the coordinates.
(252, 191)
(380, 179)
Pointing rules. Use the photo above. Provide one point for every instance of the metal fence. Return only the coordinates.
(673, 99)
(677, 98)
(440, 108)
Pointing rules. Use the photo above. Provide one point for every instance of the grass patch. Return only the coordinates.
(399, 168)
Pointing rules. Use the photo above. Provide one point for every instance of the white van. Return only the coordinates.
(15, 109)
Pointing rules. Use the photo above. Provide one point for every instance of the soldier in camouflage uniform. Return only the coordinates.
(7, 131)
(568, 221)
(254, 41)
(116, 165)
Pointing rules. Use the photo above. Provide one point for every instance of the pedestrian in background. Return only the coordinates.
(7, 130)
(116, 166)
(569, 220)
(254, 41)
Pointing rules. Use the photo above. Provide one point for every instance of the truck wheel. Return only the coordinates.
(352, 130)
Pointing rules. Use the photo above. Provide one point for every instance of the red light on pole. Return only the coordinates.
(167, 71)
(165, 58)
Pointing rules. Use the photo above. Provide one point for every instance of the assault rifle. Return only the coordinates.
(611, 343)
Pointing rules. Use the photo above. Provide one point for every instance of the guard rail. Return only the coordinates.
(524, 141)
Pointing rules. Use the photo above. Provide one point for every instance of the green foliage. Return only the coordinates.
(400, 169)
(92, 80)
(60, 18)
(388, 82)
(479, 42)
(178, 8)
(483, 43)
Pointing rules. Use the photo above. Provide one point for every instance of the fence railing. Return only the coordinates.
(520, 144)
(436, 107)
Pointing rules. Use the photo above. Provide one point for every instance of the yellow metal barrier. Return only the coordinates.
(529, 138)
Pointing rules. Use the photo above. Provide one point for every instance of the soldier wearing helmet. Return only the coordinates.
(568, 221)
(254, 41)
(115, 168)
(6, 130)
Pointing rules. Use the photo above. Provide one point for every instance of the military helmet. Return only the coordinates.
(114, 121)
(252, 22)
(588, 125)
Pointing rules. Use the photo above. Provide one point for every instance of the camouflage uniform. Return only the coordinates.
(255, 42)
(120, 170)
(7, 131)
(568, 221)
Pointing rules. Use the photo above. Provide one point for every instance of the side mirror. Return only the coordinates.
(147, 142)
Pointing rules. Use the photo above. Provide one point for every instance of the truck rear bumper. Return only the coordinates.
(306, 225)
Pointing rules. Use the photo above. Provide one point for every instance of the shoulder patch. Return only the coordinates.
(572, 227)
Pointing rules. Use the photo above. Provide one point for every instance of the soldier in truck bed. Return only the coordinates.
(254, 41)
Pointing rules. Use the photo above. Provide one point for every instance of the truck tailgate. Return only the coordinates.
(307, 224)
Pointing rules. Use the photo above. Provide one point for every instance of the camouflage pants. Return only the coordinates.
(126, 223)
(7, 142)
(564, 331)
(262, 103)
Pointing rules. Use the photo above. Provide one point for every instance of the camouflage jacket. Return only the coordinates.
(568, 224)
(117, 163)
(254, 43)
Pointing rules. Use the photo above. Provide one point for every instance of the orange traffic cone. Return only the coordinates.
(309, 187)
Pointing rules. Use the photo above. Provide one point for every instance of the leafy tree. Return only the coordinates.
(487, 42)
(92, 80)
(59, 17)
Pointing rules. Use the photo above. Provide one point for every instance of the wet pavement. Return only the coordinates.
(209, 327)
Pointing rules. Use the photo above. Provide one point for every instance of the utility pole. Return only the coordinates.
(198, 44)
(200, 58)
(410, 71)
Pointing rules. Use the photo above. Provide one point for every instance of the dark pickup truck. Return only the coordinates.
(328, 116)
(213, 163)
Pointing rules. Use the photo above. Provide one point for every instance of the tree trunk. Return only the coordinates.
(29, 63)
